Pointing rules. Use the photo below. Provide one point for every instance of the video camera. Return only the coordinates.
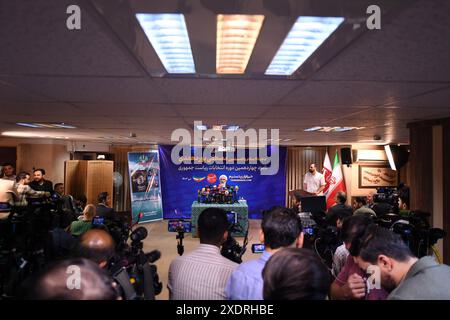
(414, 229)
(231, 249)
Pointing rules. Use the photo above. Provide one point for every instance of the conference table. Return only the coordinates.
(240, 208)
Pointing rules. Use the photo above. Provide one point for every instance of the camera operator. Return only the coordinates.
(103, 208)
(280, 228)
(203, 274)
(23, 190)
(350, 283)
(39, 182)
(407, 277)
(56, 282)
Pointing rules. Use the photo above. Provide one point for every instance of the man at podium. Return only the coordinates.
(314, 182)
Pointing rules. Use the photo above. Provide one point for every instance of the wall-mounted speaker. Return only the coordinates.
(346, 156)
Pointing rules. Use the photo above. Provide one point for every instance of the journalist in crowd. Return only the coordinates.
(203, 274)
(401, 273)
(295, 274)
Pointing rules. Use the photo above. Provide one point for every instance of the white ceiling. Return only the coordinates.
(107, 81)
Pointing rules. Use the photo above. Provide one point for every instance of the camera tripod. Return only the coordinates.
(180, 237)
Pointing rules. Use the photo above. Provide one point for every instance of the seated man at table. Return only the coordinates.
(202, 274)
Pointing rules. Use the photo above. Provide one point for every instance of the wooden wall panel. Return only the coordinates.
(298, 161)
(99, 179)
(421, 177)
(89, 178)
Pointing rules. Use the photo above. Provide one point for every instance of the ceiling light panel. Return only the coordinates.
(169, 37)
(236, 38)
(307, 34)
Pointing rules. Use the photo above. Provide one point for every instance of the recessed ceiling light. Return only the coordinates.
(29, 125)
(169, 37)
(313, 129)
(332, 129)
(307, 34)
(64, 126)
(236, 38)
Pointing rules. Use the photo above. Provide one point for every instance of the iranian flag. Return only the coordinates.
(327, 171)
(336, 182)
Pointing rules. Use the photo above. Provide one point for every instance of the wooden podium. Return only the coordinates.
(89, 178)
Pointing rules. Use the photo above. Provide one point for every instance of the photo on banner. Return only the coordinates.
(145, 186)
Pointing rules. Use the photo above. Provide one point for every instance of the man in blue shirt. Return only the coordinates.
(281, 228)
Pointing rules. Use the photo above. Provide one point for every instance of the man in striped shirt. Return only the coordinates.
(203, 274)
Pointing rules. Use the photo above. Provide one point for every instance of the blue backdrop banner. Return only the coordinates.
(145, 186)
(180, 183)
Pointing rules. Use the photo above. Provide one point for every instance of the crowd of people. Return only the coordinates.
(370, 262)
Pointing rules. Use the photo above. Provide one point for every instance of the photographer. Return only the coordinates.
(410, 278)
(280, 228)
(203, 274)
(350, 283)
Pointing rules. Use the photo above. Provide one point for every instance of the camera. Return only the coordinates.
(258, 248)
(414, 229)
(231, 249)
(131, 267)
